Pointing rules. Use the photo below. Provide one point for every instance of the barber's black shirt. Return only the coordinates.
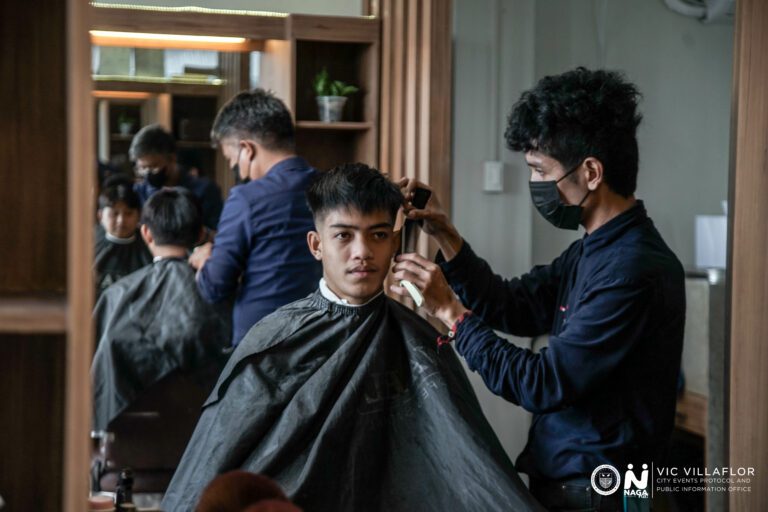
(603, 392)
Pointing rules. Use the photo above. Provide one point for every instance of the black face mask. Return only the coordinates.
(159, 178)
(546, 199)
(236, 171)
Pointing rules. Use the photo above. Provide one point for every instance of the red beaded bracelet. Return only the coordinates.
(448, 338)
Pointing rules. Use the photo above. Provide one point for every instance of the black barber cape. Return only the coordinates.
(114, 260)
(149, 324)
(350, 409)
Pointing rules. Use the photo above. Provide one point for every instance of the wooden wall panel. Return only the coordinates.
(416, 92)
(80, 150)
(748, 419)
(33, 198)
(31, 421)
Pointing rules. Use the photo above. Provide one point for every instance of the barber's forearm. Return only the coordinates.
(449, 242)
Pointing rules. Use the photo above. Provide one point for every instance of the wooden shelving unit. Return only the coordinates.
(186, 110)
(33, 314)
(349, 49)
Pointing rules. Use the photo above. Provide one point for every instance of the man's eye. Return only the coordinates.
(380, 235)
(341, 236)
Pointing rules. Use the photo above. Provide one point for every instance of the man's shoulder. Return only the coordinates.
(122, 290)
(200, 185)
(640, 256)
(277, 326)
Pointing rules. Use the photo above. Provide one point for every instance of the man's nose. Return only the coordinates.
(361, 249)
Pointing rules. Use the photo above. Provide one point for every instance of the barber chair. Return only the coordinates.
(150, 436)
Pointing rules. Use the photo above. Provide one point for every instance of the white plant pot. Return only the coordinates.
(125, 128)
(330, 108)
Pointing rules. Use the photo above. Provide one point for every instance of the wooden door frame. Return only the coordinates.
(747, 281)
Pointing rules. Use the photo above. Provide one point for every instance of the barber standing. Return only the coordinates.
(613, 303)
(260, 252)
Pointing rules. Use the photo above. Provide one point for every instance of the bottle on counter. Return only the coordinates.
(124, 492)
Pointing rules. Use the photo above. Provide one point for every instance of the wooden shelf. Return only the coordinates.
(342, 125)
(121, 137)
(156, 87)
(30, 314)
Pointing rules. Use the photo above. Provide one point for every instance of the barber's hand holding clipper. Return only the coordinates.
(439, 299)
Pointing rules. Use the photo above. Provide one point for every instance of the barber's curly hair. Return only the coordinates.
(578, 114)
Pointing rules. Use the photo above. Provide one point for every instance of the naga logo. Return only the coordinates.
(640, 484)
(605, 479)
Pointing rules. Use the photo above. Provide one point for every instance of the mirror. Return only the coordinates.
(181, 89)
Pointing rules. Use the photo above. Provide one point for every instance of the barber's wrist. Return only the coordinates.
(450, 313)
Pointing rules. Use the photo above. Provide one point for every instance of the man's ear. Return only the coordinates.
(249, 148)
(146, 234)
(397, 241)
(315, 246)
(595, 171)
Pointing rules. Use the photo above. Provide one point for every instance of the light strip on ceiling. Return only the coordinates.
(193, 42)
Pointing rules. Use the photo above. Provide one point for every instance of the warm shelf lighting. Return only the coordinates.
(122, 95)
(184, 41)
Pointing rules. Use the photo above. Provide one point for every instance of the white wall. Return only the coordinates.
(493, 65)
(327, 7)
(683, 69)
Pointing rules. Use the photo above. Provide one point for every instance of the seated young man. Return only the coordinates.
(343, 397)
(154, 321)
(118, 250)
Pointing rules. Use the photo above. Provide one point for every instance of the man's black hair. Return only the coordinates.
(174, 217)
(256, 114)
(353, 187)
(152, 140)
(120, 192)
(579, 114)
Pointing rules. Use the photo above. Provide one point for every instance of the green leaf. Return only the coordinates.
(321, 83)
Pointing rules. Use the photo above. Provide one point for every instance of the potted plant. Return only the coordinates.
(331, 96)
(125, 123)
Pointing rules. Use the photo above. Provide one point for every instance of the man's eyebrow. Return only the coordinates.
(357, 228)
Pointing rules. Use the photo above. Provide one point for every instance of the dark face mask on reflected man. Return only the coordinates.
(158, 179)
(546, 199)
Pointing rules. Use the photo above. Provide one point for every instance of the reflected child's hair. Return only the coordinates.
(353, 187)
(119, 193)
(174, 217)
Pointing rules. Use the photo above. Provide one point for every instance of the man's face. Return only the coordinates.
(119, 220)
(546, 168)
(356, 251)
(157, 165)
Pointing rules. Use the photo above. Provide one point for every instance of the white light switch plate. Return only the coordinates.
(493, 176)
